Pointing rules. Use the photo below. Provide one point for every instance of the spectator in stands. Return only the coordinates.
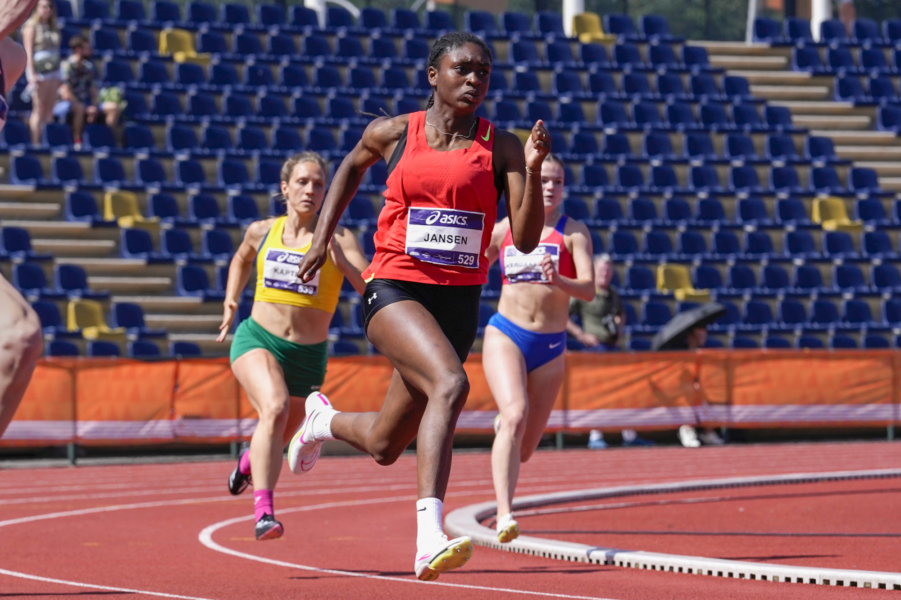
(79, 93)
(847, 13)
(41, 38)
(602, 321)
(21, 340)
(602, 318)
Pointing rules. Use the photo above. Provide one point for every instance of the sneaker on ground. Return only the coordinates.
(450, 555)
(268, 528)
(596, 440)
(689, 437)
(303, 451)
(507, 529)
(711, 438)
(238, 481)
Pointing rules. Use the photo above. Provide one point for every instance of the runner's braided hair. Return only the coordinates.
(449, 42)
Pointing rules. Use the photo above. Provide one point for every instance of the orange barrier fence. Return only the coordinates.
(117, 401)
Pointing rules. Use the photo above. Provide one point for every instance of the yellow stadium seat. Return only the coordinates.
(180, 44)
(831, 213)
(587, 27)
(123, 207)
(676, 279)
(87, 315)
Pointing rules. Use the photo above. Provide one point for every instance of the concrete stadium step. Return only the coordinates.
(740, 49)
(883, 168)
(28, 210)
(119, 266)
(869, 152)
(184, 323)
(132, 285)
(15, 192)
(68, 248)
(863, 138)
(803, 107)
(173, 304)
(843, 122)
(777, 77)
(890, 183)
(791, 92)
(64, 228)
(763, 63)
(207, 342)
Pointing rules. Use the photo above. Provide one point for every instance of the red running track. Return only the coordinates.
(139, 530)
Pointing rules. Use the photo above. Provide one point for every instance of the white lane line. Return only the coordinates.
(206, 538)
(95, 587)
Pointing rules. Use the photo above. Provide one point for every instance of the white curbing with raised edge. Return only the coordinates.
(467, 521)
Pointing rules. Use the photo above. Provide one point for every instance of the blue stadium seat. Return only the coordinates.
(671, 87)
(524, 52)
(725, 243)
(781, 148)
(480, 21)
(584, 143)
(663, 178)
(695, 58)
(190, 173)
(628, 55)
(61, 349)
(141, 349)
(549, 23)
(201, 12)
(849, 277)
(705, 88)
(130, 10)
(768, 31)
(568, 83)
(704, 178)
(699, 146)
(713, 116)
(165, 208)
(119, 71)
(740, 147)
(663, 57)
(779, 118)
(162, 11)
(67, 171)
(877, 244)
(691, 244)
(204, 209)
(707, 277)
(101, 349)
(15, 242)
(710, 210)
(131, 317)
(192, 280)
(875, 342)
(607, 210)
(217, 139)
(516, 23)
(81, 206)
(109, 172)
(150, 173)
(807, 58)
(758, 244)
(888, 118)
(741, 277)
(269, 15)
(184, 350)
(629, 178)
(775, 278)
(680, 117)
(838, 244)
(753, 210)
(657, 244)
(217, 244)
(166, 104)
(594, 177)
(774, 342)
(642, 210)
(139, 138)
(807, 278)
(623, 244)
(850, 89)
(602, 85)
(232, 174)
(863, 181)
(620, 26)
(792, 313)
(785, 180)
(105, 41)
(15, 135)
(559, 52)
(136, 243)
(885, 277)
(616, 146)
(842, 342)
(655, 315)
(823, 313)
(757, 314)
(575, 208)
(657, 146)
(639, 345)
(800, 244)
(141, 42)
(891, 312)
(824, 180)
(791, 210)
(882, 89)
(746, 117)
(744, 179)
(304, 18)
(29, 278)
(57, 136)
(655, 27)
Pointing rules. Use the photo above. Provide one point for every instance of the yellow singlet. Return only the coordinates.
(276, 275)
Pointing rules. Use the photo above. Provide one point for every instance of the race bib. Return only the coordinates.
(280, 272)
(445, 236)
(519, 267)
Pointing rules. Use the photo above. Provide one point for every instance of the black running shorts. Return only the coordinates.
(455, 307)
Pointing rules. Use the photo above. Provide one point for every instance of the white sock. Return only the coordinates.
(428, 523)
(322, 424)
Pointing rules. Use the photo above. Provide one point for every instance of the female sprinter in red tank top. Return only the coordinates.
(447, 170)
(525, 340)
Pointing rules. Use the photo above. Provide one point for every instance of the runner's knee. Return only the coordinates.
(275, 411)
(514, 420)
(452, 390)
(385, 452)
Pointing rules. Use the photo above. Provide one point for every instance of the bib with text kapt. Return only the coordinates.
(519, 267)
(445, 236)
(280, 272)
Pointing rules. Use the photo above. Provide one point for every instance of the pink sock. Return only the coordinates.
(262, 503)
(244, 464)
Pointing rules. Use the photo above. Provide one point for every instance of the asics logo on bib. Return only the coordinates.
(291, 259)
(446, 219)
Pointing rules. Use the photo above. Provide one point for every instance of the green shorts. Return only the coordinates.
(304, 366)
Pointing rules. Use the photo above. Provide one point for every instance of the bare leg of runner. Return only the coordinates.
(21, 343)
(426, 395)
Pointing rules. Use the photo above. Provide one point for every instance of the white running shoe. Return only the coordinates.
(450, 555)
(689, 437)
(304, 447)
(507, 529)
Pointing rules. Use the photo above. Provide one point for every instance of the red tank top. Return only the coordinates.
(439, 213)
(518, 267)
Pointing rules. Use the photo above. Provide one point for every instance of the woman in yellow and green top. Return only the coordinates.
(279, 353)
